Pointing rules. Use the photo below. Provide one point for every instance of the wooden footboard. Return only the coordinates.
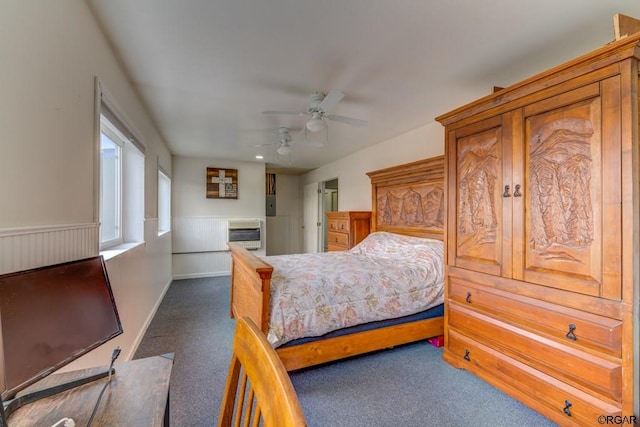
(250, 286)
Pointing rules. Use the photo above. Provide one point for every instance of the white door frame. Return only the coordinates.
(312, 204)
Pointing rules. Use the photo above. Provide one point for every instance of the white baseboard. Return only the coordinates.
(200, 275)
(143, 330)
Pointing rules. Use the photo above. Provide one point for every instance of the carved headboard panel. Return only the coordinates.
(409, 199)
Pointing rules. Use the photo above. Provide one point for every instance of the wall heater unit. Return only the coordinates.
(245, 232)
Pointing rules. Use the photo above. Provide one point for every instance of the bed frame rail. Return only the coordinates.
(336, 348)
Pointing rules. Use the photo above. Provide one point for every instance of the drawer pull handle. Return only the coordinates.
(570, 334)
(506, 191)
(566, 409)
(517, 193)
(468, 298)
(466, 356)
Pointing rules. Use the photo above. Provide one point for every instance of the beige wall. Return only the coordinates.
(354, 186)
(188, 196)
(189, 203)
(52, 52)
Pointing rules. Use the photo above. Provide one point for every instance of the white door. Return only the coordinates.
(311, 223)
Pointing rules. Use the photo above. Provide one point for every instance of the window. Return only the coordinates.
(110, 186)
(121, 182)
(164, 202)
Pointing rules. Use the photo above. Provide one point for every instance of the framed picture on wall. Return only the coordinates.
(222, 183)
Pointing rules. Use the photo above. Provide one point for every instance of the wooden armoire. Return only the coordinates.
(542, 238)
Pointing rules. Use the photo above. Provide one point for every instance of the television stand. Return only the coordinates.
(139, 392)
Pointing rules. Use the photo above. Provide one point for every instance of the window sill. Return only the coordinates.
(117, 250)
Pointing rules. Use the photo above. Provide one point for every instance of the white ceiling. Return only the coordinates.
(206, 69)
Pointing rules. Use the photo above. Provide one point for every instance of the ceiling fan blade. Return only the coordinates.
(306, 138)
(330, 101)
(300, 135)
(314, 144)
(347, 120)
(285, 158)
(295, 131)
(283, 112)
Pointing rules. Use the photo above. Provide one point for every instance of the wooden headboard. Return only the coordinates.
(409, 199)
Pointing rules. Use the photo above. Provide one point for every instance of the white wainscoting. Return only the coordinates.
(32, 247)
(199, 234)
(204, 233)
(200, 245)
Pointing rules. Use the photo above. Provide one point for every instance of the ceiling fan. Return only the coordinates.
(284, 142)
(317, 111)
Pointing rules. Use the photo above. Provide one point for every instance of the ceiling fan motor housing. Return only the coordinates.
(315, 101)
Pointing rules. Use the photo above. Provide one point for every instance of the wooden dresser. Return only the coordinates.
(347, 229)
(542, 238)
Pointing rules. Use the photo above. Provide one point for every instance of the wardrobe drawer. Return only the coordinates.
(341, 225)
(555, 399)
(338, 239)
(573, 326)
(566, 363)
(336, 248)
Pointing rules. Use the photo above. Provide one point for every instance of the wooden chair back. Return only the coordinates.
(258, 386)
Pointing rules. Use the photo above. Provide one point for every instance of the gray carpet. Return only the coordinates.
(405, 386)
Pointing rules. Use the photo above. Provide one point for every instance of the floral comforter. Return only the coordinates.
(385, 276)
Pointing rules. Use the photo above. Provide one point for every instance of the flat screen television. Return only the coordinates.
(51, 316)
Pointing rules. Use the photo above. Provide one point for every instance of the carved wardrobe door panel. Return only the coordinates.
(475, 182)
(572, 230)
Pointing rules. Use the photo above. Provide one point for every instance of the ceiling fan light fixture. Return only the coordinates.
(284, 150)
(315, 124)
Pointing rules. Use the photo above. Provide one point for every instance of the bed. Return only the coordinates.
(408, 209)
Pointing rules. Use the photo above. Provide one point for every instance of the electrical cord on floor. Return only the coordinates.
(114, 356)
(65, 422)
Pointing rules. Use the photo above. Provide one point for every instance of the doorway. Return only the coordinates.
(329, 204)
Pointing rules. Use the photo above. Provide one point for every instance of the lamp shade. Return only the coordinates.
(284, 149)
(315, 124)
